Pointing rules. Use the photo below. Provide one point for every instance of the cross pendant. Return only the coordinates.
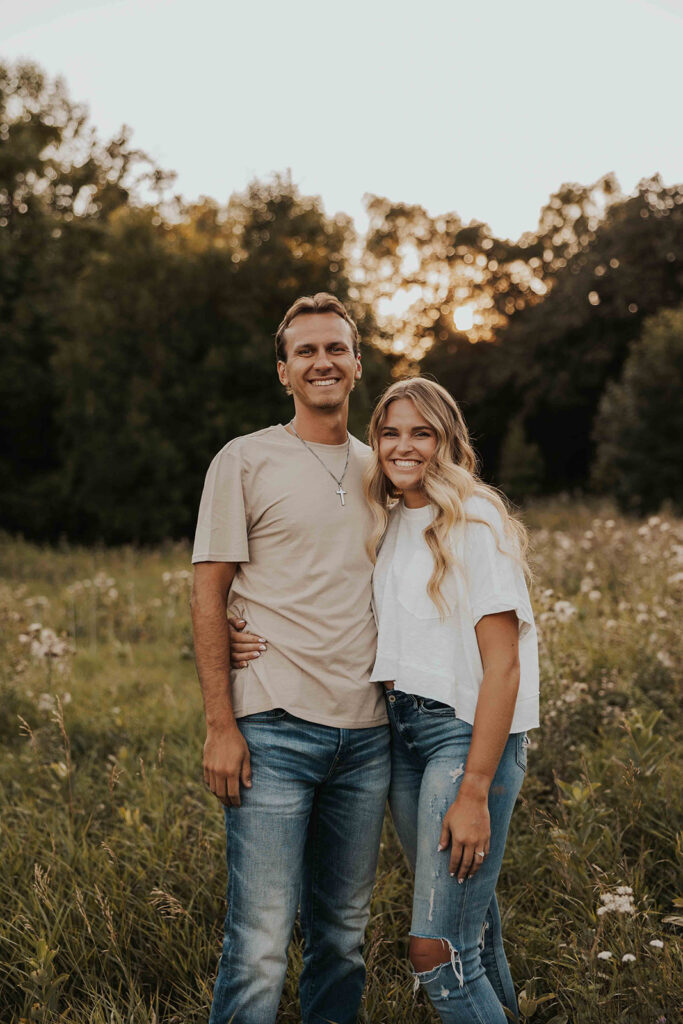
(341, 492)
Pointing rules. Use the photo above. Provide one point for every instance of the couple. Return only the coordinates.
(438, 641)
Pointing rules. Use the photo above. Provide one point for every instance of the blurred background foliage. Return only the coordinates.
(136, 330)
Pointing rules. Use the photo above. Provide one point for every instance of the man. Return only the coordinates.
(297, 745)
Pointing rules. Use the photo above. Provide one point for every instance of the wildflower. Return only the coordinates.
(665, 659)
(604, 955)
(619, 902)
(594, 595)
(676, 578)
(609, 524)
(657, 943)
(564, 610)
(627, 958)
(46, 644)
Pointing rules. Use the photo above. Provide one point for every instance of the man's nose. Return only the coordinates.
(322, 360)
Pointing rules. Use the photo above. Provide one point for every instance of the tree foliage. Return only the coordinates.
(136, 331)
(639, 425)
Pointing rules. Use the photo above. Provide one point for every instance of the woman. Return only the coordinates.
(457, 654)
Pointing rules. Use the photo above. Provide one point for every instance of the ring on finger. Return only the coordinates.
(480, 853)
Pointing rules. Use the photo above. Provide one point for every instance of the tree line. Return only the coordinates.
(136, 330)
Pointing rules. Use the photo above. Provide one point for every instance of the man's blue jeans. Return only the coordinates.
(307, 834)
(429, 751)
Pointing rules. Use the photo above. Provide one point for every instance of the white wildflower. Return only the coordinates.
(604, 955)
(564, 610)
(627, 958)
(594, 595)
(619, 902)
(657, 943)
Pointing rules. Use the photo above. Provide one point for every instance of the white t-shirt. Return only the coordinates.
(440, 659)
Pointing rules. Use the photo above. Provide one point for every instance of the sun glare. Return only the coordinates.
(463, 317)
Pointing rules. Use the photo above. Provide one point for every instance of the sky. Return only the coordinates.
(483, 107)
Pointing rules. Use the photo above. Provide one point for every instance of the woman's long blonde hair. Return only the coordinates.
(450, 478)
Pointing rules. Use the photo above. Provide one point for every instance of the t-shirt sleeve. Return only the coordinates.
(222, 523)
(494, 575)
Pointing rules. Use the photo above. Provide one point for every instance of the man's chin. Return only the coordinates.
(324, 401)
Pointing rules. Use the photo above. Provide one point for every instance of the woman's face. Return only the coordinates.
(406, 443)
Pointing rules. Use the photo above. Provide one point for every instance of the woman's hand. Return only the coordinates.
(466, 828)
(244, 647)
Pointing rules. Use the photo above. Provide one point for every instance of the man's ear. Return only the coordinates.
(282, 372)
(359, 369)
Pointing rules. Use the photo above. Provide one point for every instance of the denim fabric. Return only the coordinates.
(307, 834)
(429, 751)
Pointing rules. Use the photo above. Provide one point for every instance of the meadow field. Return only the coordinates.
(112, 867)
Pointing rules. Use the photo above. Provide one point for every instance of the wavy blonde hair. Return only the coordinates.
(450, 478)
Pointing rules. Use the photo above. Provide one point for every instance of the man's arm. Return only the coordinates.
(226, 754)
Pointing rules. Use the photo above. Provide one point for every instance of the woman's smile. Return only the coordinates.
(406, 443)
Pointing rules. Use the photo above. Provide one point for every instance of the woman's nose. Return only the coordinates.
(405, 444)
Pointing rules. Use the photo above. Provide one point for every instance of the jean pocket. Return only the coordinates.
(274, 715)
(435, 707)
(520, 750)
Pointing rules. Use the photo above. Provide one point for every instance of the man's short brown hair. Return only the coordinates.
(321, 302)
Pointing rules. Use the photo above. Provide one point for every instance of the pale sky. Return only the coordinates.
(483, 107)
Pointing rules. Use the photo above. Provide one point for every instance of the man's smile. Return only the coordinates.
(324, 382)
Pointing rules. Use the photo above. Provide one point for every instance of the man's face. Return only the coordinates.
(321, 366)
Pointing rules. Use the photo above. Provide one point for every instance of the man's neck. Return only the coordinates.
(322, 426)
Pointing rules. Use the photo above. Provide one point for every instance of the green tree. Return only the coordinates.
(58, 184)
(521, 469)
(171, 352)
(639, 425)
(561, 353)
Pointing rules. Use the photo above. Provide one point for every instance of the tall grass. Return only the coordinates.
(112, 853)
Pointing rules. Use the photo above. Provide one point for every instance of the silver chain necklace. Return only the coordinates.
(341, 492)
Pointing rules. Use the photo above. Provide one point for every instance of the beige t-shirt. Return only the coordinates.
(304, 579)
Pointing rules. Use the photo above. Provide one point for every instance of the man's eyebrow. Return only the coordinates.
(327, 344)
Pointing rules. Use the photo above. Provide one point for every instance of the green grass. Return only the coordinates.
(112, 852)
